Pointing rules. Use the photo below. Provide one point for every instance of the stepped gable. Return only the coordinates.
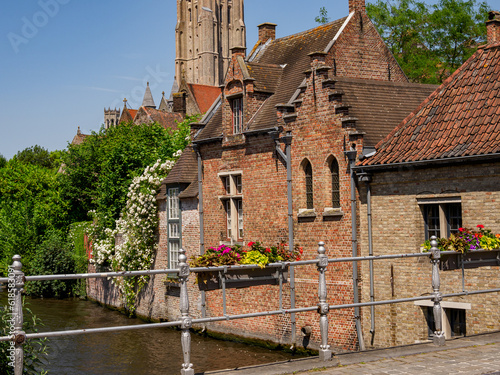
(379, 105)
(281, 64)
(460, 118)
(291, 54)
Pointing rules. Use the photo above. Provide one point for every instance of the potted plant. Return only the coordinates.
(253, 254)
(474, 248)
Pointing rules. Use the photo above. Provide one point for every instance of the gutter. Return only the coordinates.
(427, 163)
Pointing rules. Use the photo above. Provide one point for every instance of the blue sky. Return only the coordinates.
(63, 61)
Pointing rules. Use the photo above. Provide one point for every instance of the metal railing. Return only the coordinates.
(16, 281)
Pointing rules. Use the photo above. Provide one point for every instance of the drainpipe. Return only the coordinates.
(202, 231)
(351, 155)
(367, 178)
(287, 157)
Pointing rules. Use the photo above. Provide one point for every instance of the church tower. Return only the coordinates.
(111, 117)
(206, 31)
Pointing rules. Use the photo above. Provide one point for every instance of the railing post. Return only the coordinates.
(187, 366)
(325, 354)
(19, 334)
(439, 338)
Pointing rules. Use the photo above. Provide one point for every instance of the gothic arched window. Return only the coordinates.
(309, 185)
(334, 170)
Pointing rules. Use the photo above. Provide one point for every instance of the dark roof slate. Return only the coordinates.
(288, 55)
(460, 118)
(379, 105)
(185, 170)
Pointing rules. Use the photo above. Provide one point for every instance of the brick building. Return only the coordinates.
(328, 92)
(437, 171)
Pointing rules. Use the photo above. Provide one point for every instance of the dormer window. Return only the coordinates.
(237, 111)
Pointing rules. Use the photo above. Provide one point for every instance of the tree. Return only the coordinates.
(36, 155)
(97, 172)
(3, 161)
(323, 16)
(430, 42)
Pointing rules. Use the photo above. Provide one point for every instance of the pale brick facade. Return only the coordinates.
(398, 227)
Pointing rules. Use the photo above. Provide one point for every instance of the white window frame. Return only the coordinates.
(444, 219)
(233, 205)
(174, 226)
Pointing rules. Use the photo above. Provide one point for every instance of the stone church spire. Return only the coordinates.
(205, 33)
(148, 98)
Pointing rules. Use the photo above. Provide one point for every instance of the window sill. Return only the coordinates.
(307, 213)
(333, 212)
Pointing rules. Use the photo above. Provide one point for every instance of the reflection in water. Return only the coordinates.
(147, 351)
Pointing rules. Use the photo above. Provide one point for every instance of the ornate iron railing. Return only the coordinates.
(16, 281)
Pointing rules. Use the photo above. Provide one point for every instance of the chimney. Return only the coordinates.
(267, 31)
(493, 27)
(318, 58)
(358, 5)
(235, 51)
(179, 105)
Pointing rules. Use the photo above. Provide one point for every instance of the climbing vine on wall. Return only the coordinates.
(132, 244)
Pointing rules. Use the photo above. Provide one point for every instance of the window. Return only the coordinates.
(309, 185)
(237, 110)
(174, 227)
(233, 205)
(441, 218)
(334, 170)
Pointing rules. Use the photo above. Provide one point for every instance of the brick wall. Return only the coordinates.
(398, 227)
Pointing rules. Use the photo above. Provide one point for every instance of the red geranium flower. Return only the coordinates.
(480, 226)
(268, 250)
(250, 244)
(461, 229)
(301, 250)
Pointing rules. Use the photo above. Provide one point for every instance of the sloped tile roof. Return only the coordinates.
(165, 119)
(185, 169)
(291, 54)
(379, 105)
(288, 55)
(204, 95)
(128, 115)
(460, 118)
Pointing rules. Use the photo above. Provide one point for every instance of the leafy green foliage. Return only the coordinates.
(35, 351)
(52, 257)
(37, 155)
(3, 161)
(30, 205)
(98, 172)
(467, 240)
(430, 42)
(323, 16)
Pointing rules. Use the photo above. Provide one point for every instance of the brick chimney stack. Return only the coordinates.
(358, 5)
(493, 27)
(267, 31)
(238, 50)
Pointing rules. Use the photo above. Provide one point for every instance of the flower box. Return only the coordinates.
(241, 278)
(471, 259)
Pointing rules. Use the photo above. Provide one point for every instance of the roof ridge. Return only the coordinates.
(311, 29)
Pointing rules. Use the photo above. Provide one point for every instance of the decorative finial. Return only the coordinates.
(321, 248)
(78, 131)
(148, 83)
(16, 264)
(182, 256)
(163, 93)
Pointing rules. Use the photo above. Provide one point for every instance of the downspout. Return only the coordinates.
(200, 211)
(367, 178)
(288, 145)
(351, 155)
(287, 158)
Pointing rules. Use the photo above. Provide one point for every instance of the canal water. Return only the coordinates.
(147, 351)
